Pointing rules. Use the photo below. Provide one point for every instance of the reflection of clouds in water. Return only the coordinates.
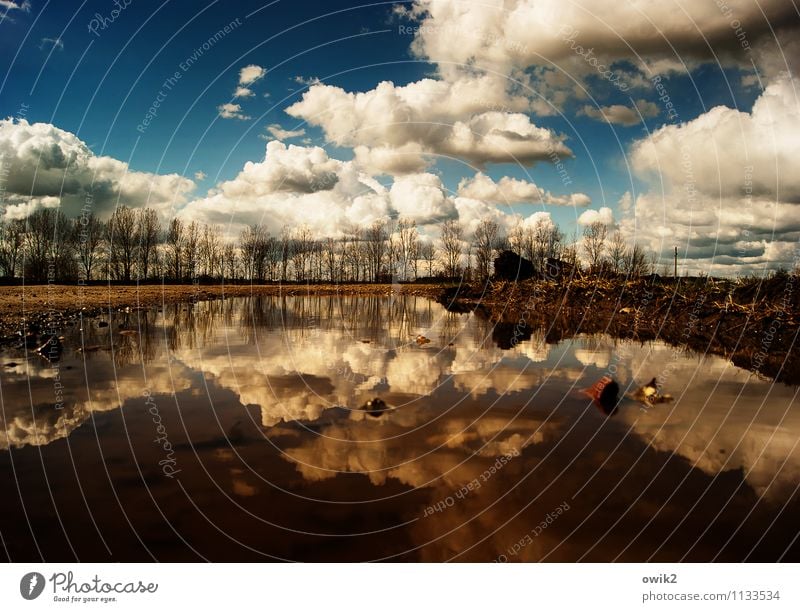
(508, 377)
(37, 422)
(599, 356)
(240, 485)
(471, 357)
(291, 372)
(417, 371)
(38, 426)
(390, 449)
(536, 349)
(298, 379)
(710, 421)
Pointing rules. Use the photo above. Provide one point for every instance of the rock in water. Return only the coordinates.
(376, 407)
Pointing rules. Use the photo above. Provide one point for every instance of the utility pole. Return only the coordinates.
(676, 262)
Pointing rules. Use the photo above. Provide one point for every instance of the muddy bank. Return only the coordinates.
(44, 307)
(754, 324)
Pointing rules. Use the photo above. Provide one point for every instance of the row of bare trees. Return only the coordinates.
(610, 254)
(132, 245)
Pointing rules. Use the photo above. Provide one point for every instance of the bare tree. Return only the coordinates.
(636, 263)
(87, 237)
(617, 253)
(191, 250)
(452, 236)
(376, 245)
(62, 254)
(175, 243)
(569, 251)
(594, 244)
(545, 242)
(302, 246)
(148, 230)
(427, 253)
(516, 239)
(413, 253)
(354, 253)
(331, 262)
(407, 237)
(210, 251)
(485, 243)
(250, 243)
(122, 242)
(12, 242)
(285, 248)
(39, 232)
(48, 253)
(229, 261)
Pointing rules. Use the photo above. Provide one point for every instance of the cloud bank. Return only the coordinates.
(46, 167)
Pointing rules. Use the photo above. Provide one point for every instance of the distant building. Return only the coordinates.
(511, 267)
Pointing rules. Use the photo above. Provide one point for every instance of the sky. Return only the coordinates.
(674, 122)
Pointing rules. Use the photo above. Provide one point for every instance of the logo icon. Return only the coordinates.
(31, 585)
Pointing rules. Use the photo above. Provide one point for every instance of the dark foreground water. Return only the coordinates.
(235, 431)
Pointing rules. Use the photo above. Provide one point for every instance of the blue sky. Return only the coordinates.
(99, 85)
(103, 93)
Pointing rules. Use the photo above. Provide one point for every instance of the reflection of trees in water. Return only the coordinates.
(195, 325)
(131, 339)
(256, 312)
(451, 325)
(374, 317)
(356, 316)
(190, 326)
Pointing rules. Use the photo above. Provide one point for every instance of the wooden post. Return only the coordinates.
(676, 262)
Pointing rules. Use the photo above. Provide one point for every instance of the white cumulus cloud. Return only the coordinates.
(281, 134)
(723, 187)
(45, 167)
(430, 117)
(229, 110)
(510, 190)
(603, 215)
(250, 74)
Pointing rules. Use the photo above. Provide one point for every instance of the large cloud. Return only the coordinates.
(603, 215)
(521, 33)
(45, 166)
(422, 198)
(561, 53)
(303, 186)
(293, 186)
(292, 168)
(510, 190)
(472, 118)
(724, 185)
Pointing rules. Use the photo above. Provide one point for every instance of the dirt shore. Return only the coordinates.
(754, 324)
(55, 304)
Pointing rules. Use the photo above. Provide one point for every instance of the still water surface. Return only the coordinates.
(235, 430)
